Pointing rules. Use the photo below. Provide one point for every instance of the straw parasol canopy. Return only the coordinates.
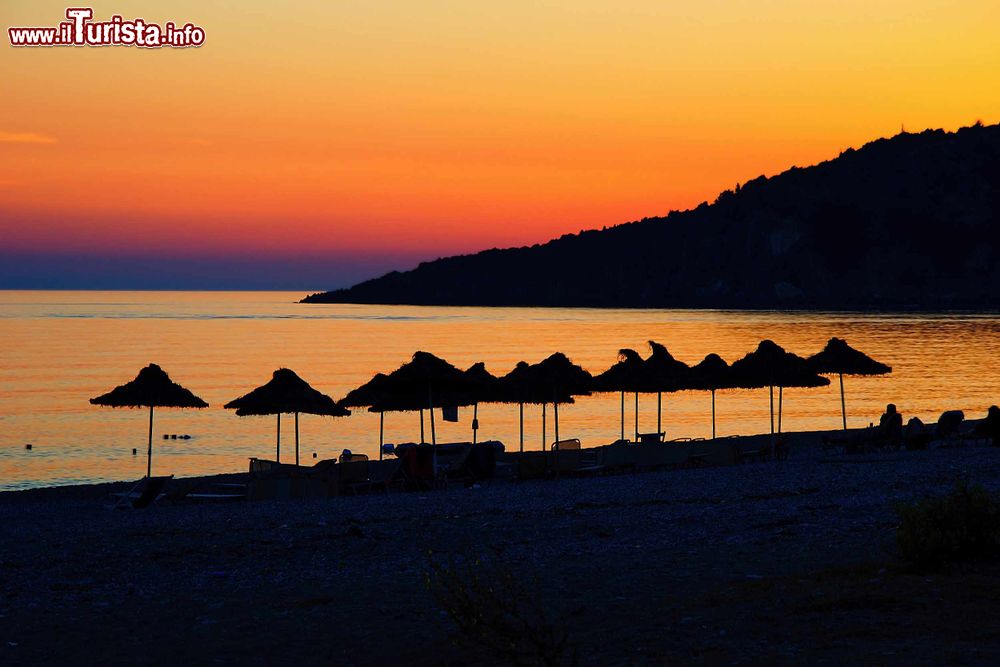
(425, 382)
(628, 374)
(841, 359)
(151, 388)
(771, 366)
(552, 380)
(485, 388)
(665, 374)
(286, 392)
(522, 386)
(711, 374)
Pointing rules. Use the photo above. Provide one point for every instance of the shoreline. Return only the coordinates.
(802, 445)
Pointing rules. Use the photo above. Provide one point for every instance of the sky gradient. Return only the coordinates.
(315, 144)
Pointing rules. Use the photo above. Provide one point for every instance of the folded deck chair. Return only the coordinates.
(137, 499)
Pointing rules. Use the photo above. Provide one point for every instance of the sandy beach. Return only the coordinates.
(782, 562)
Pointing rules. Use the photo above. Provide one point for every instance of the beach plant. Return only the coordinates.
(963, 525)
(495, 611)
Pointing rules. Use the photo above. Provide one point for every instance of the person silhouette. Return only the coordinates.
(990, 426)
(890, 425)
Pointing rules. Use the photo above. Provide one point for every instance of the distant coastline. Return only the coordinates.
(910, 223)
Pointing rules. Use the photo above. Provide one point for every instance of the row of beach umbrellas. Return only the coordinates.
(427, 382)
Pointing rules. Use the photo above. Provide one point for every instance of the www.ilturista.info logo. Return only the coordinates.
(81, 30)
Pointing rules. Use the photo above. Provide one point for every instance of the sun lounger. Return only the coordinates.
(618, 456)
(660, 455)
(563, 445)
(146, 492)
(753, 454)
(648, 438)
(591, 462)
(353, 475)
(418, 467)
(531, 465)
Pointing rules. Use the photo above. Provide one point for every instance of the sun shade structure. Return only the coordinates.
(628, 374)
(554, 380)
(521, 386)
(711, 374)
(771, 366)
(151, 388)
(839, 358)
(423, 383)
(286, 392)
(485, 389)
(666, 374)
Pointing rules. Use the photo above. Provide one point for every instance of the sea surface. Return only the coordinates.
(58, 349)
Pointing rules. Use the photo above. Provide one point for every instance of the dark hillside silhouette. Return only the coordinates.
(906, 222)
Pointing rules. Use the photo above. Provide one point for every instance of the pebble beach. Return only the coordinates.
(766, 563)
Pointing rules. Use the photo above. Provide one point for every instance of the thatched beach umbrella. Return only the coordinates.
(151, 388)
(485, 389)
(771, 366)
(711, 374)
(558, 377)
(425, 382)
(665, 374)
(522, 386)
(286, 392)
(840, 358)
(628, 374)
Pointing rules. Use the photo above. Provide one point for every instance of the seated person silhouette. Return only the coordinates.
(990, 426)
(890, 426)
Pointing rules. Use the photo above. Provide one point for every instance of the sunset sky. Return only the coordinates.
(307, 145)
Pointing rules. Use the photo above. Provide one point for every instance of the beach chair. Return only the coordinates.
(418, 467)
(650, 438)
(722, 452)
(353, 474)
(699, 453)
(384, 475)
(591, 462)
(530, 465)
(658, 456)
(563, 445)
(563, 461)
(481, 462)
(618, 456)
(151, 491)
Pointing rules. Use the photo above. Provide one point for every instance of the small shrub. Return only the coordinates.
(964, 524)
(493, 610)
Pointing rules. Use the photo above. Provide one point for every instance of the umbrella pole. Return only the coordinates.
(555, 410)
(713, 414)
(520, 407)
(843, 405)
(781, 392)
(381, 433)
(277, 446)
(771, 391)
(149, 450)
(543, 427)
(433, 433)
(475, 421)
(637, 416)
(623, 416)
(659, 413)
(421, 426)
(296, 438)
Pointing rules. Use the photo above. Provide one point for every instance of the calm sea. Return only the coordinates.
(58, 349)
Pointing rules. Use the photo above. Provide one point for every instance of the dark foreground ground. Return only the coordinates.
(778, 563)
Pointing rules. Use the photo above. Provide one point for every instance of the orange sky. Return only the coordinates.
(422, 128)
